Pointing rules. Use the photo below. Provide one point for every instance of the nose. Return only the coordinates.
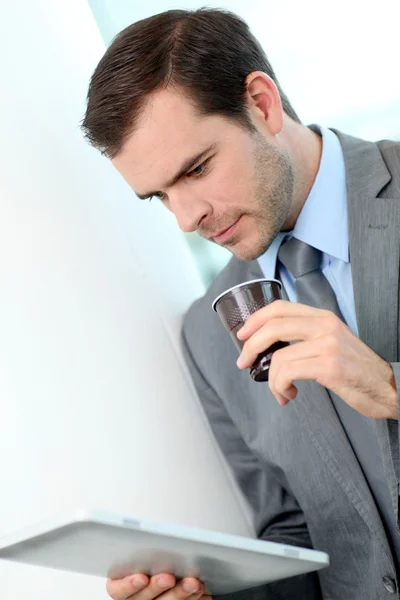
(189, 210)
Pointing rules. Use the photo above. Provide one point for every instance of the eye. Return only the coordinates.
(198, 171)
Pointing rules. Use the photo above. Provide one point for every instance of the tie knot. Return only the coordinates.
(299, 258)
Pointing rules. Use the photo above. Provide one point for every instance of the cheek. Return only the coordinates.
(229, 185)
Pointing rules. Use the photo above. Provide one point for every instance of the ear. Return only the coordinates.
(264, 102)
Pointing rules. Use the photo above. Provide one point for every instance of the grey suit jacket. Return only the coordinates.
(295, 463)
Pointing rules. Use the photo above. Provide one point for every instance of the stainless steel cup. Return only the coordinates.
(234, 307)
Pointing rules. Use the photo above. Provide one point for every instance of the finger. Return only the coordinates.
(286, 329)
(185, 589)
(281, 382)
(201, 595)
(162, 583)
(181, 591)
(297, 351)
(121, 589)
(275, 310)
(283, 400)
(188, 587)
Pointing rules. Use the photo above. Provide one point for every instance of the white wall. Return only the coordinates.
(92, 288)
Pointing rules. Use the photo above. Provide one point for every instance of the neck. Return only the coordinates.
(305, 147)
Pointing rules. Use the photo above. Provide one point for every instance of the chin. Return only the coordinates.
(250, 246)
(247, 254)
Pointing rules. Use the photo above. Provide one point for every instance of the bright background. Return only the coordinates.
(97, 408)
(336, 61)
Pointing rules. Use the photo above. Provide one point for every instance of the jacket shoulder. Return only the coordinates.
(201, 309)
(202, 328)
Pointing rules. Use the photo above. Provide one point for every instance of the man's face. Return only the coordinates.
(233, 187)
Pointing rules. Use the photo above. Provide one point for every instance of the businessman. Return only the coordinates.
(187, 107)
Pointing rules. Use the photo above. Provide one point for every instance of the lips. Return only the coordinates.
(225, 234)
(221, 232)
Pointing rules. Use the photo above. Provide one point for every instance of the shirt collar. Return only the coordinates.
(322, 222)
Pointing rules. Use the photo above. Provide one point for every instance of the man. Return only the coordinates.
(188, 109)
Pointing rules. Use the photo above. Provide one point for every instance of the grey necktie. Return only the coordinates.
(313, 289)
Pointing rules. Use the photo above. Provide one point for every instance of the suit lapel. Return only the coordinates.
(374, 246)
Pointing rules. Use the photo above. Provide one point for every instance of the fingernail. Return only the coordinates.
(190, 587)
(163, 582)
(138, 582)
(239, 362)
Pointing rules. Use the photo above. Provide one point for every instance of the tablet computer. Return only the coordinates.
(108, 545)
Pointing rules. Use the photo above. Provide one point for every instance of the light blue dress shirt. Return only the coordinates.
(322, 223)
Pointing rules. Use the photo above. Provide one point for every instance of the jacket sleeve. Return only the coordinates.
(277, 515)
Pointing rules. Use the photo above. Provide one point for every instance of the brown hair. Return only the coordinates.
(208, 53)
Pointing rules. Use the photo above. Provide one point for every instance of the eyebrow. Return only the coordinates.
(187, 165)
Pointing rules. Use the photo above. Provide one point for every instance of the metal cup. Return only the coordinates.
(234, 307)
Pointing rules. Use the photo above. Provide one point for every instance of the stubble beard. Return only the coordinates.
(273, 196)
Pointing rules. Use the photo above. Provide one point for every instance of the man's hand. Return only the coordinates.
(328, 352)
(141, 587)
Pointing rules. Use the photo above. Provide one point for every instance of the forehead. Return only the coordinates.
(169, 132)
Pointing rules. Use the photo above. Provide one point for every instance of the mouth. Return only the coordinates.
(223, 236)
